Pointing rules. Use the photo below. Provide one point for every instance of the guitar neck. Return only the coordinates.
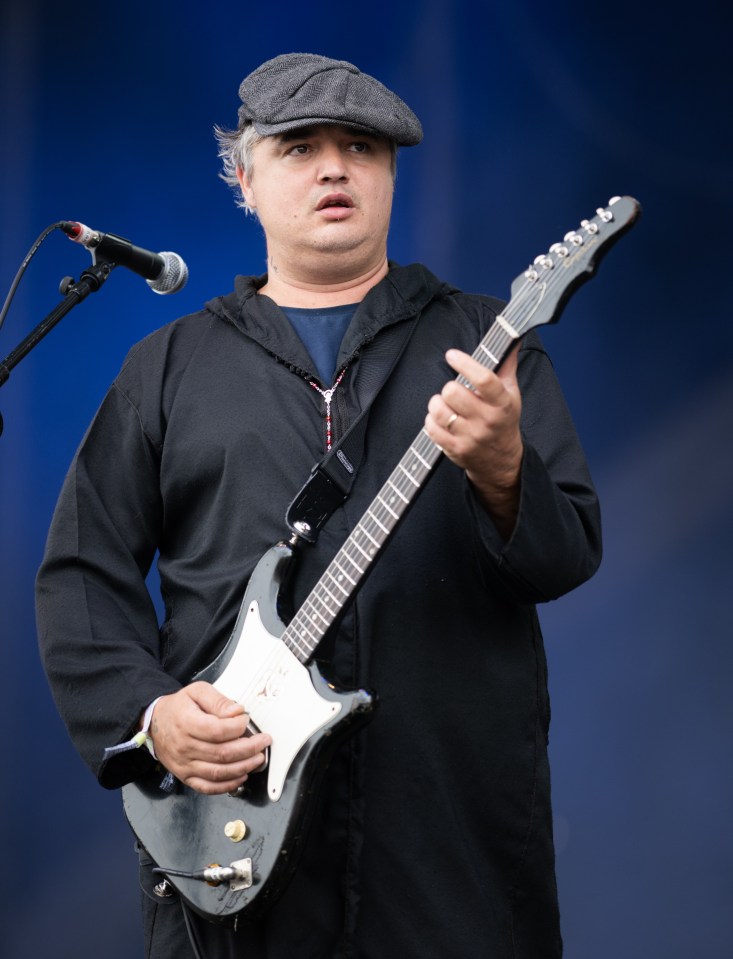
(538, 296)
(350, 565)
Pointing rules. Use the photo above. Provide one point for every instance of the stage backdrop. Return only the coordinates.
(534, 115)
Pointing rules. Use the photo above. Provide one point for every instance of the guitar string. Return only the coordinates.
(495, 343)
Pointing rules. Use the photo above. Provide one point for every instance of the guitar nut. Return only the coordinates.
(235, 830)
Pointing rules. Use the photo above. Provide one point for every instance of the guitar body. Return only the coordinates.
(186, 831)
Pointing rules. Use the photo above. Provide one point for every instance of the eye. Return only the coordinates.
(360, 146)
(300, 149)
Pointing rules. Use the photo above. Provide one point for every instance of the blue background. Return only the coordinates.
(534, 115)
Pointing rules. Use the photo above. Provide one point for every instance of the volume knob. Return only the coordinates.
(235, 830)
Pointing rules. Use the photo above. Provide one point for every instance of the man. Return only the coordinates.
(433, 834)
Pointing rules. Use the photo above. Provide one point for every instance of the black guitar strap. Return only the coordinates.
(331, 480)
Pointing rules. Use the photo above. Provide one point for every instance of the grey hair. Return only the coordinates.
(236, 149)
(235, 152)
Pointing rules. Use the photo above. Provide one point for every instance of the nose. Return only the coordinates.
(331, 164)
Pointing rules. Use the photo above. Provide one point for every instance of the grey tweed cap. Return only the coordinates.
(302, 89)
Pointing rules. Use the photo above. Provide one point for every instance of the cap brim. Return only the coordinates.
(274, 129)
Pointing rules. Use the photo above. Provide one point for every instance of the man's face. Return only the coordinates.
(322, 190)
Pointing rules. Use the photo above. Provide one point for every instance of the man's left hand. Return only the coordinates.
(478, 429)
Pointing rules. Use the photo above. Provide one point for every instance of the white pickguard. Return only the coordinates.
(276, 690)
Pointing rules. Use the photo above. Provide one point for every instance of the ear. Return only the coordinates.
(246, 185)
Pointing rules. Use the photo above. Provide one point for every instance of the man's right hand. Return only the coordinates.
(199, 736)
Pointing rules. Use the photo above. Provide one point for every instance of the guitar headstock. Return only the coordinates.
(547, 284)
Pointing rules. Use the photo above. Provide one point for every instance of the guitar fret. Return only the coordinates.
(352, 581)
(380, 525)
(424, 462)
(315, 612)
(327, 608)
(424, 444)
(363, 551)
(336, 583)
(338, 603)
(305, 649)
(389, 510)
(303, 644)
(366, 532)
(410, 478)
(399, 493)
(351, 559)
(300, 627)
(488, 352)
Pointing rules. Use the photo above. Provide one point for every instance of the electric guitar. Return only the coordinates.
(234, 854)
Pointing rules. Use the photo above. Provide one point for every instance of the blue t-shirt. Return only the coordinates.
(322, 331)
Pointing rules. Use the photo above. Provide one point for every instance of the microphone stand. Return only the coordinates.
(90, 281)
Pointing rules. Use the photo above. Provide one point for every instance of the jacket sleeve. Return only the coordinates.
(556, 542)
(97, 625)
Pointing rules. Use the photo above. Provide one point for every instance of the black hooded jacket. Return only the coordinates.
(433, 836)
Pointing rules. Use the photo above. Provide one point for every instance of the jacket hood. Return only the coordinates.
(404, 292)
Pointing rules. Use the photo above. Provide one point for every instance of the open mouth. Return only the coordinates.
(338, 200)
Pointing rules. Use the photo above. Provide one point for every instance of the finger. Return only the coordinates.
(480, 376)
(440, 412)
(211, 717)
(243, 749)
(182, 732)
(202, 728)
(211, 701)
(213, 764)
(211, 787)
(440, 421)
(246, 753)
(466, 366)
(216, 774)
(213, 779)
(507, 372)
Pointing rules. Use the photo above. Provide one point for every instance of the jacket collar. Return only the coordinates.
(403, 293)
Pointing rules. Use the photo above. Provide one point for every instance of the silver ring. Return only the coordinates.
(451, 420)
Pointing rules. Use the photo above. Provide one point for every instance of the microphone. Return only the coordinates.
(163, 272)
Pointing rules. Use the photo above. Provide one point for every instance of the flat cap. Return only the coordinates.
(302, 89)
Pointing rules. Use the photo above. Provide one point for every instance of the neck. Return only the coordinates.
(309, 292)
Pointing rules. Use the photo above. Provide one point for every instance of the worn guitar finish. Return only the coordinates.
(264, 665)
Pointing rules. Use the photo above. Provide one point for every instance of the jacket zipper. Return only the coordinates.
(327, 398)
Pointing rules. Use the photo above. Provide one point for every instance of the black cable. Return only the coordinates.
(193, 938)
(19, 275)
